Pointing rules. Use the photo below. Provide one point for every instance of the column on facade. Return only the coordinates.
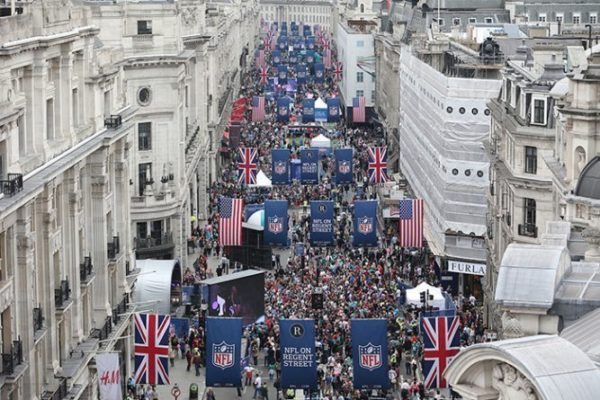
(63, 92)
(201, 86)
(35, 97)
(121, 210)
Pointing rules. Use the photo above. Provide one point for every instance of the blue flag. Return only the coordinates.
(319, 73)
(283, 109)
(301, 73)
(343, 166)
(308, 110)
(293, 58)
(369, 353)
(298, 355)
(223, 351)
(276, 57)
(321, 223)
(282, 73)
(333, 108)
(310, 43)
(276, 222)
(310, 166)
(310, 56)
(306, 30)
(365, 223)
(280, 174)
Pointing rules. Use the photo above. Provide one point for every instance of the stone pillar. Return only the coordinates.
(62, 100)
(35, 97)
(121, 210)
(75, 252)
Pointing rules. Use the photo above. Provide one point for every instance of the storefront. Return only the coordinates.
(467, 276)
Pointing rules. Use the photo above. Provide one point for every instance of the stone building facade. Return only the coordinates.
(311, 12)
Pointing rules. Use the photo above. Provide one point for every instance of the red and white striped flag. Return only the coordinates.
(258, 108)
(411, 223)
(230, 221)
(260, 60)
(358, 109)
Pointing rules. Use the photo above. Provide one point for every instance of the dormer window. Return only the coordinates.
(538, 116)
(542, 17)
(144, 27)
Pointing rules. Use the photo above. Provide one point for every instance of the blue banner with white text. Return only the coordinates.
(365, 223)
(301, 73)
(319, 72)
(282, 74)
(223, 351)
(321, 223)
(276, 57)
(298, 355)
(310, 166)
(276, 222)
(283, 109)
(369, 353)
(333, 108)
(280, 174)
(308, 110)
(343, 166)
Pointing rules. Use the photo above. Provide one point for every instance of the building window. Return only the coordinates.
(75, 107)
(489, 20)
(144, 96)
(576, 18)
(528, 228)
(359, 77)
(440, 21)
(456, 21)
(472, 20)
(373, 96)
(360, 43)
(593, 18)
(360, 93)
(539, 111)
(144, 27)
(559, 18)
(145, 136)
(144, 176)
(50, 119)
(542, 18)
(530, 160)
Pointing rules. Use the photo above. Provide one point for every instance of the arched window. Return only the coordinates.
(362, 8)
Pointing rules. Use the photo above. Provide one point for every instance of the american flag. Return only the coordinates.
(377, 164)
(440, 345)
(260, 59)
(152, 349)
(248, 165)
(358, 109)
(411, 223)
(264, 75)
(258, 108)
(327, 58)
(337, 72)
(230, 221)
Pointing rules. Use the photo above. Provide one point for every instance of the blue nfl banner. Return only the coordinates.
(343, 166)
(369, 353)
(365, 223)
(276, 57)
(309, 173)
(283, 109)
(319, 72)
(293, 58)
(333, 108)
(280, 174)
(301, 73)
(298, 355)
(310, 56)
(276, 222)
(223, 351)
(310, 42)
(282, 74)
(308, 110)
(321, 222)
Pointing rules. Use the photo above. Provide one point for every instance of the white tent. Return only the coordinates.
(320, 110)
(262, 180)
(320, 141)
(413, 296)
(153, 285)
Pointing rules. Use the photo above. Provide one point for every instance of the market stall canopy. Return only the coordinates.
(262, 180)
(320, 141)
(154, 284)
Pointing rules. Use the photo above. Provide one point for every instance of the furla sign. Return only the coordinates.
(466, 267)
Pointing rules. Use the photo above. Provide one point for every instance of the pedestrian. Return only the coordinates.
(188, 357)
(172, 355)
(264, 391)
(248, 370)
(197, 361)
(210, 395)
(257, 385)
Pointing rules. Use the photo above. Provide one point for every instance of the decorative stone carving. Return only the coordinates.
(511, 326)
(25, 241)
(189, 16)
(511, 384)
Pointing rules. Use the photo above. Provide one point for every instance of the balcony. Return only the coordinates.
(113, 121)
(103, 332)
(11, 360)
(61, 295)
(113, 248)
(120, 309)
(12, 184)
(155, 246)
(59, 393)
(38, 319)
(86, 270)
(529, 230)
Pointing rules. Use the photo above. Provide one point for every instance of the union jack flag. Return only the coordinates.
(337, 72)
(378, 164)
(152, 349)
(248, 165)
(440, 346)
(264, 75)
(320, 37)
(326, 44)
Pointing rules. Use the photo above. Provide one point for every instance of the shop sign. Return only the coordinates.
(463, 267)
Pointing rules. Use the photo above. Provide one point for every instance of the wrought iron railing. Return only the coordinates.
(85, 269)
(38, 319)
(120, 309)
(113, 121)
(12, 184)
(13, 358)
(113, 248)
(61, 294)
(529, 230)
(151, 242)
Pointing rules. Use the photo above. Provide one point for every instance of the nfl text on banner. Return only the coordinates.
(298, 356)
(369, 353)
(109, 376)
(280, 166)
(309, 174)
(223, 347)
(365, 223)
(276, 222)
(321, 223)
(343, 166)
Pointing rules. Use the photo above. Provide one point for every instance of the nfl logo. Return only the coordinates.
(310, 59)
(301, 74)
(275, 225)
(370, 356)
(365, 225)
(344, 167)
(276, 60)
(223, 355)
(282, 75)
(319, 74)
(308, 111)
(280, 168)
(333, 111)
(282, 110)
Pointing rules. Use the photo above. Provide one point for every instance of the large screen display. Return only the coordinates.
(238, 297)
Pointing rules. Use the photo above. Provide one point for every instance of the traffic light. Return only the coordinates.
(423, 296)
